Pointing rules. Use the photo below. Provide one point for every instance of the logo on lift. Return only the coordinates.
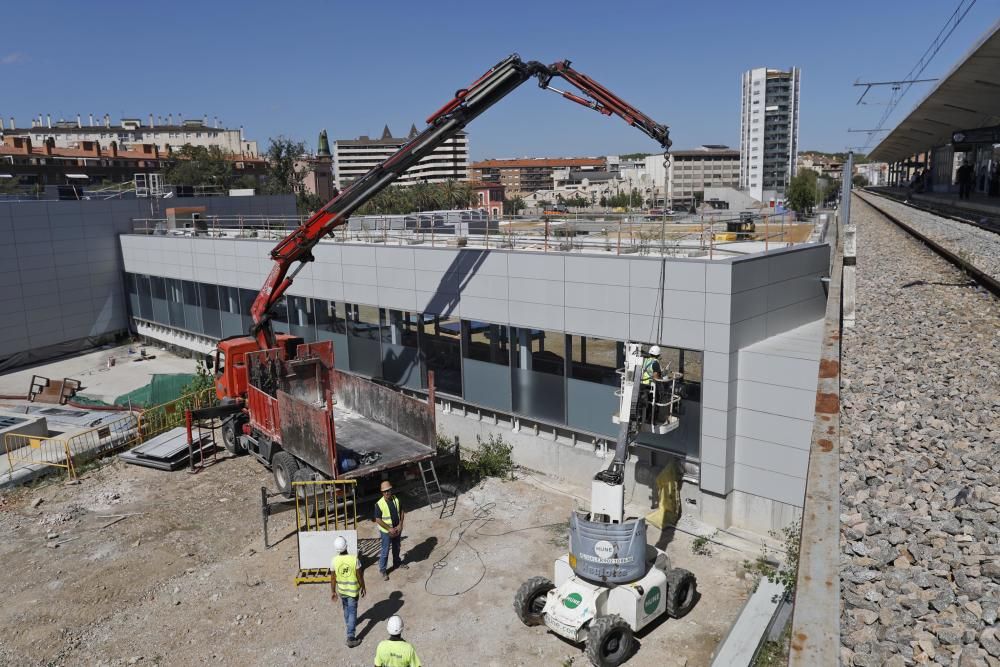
(604, 549)
(572, 601)
(652, 601)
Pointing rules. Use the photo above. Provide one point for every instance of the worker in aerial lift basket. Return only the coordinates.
(347, 581)
(652, 376)
(394, 651)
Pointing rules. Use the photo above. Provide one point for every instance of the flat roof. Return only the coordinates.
(967, 97)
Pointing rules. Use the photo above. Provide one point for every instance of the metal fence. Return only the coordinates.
(70, 451)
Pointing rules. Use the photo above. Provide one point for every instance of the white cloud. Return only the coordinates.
(11, 58)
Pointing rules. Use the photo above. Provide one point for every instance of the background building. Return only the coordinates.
(162, 132)
(769, 131)
(317, 170)
(709, 166)
(526, 175)
(353, 158)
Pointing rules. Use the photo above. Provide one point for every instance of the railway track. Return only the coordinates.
(975, 249)
(990, 223)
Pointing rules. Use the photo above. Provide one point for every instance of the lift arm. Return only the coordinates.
(444, 124)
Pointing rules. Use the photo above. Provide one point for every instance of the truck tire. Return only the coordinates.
(231, 429)
(530, 600)
(610, 641)
(682, 592)
(283, 466)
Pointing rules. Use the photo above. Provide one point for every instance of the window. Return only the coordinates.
(539, 389)
(329, 319)
(301, 320)
(596, 359)
(440, 343)
(486, 342)
(209, 299)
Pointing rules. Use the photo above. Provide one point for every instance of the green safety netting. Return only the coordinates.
(163, 388)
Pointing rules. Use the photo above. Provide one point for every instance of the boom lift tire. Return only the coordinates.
(230, 437)
(610, 641)
(284, 465)
(530, 600)
(682, 592)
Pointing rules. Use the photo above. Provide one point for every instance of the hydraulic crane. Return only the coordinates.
(294, 252)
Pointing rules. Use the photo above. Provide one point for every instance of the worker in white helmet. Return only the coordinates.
(347, 581)
(394, 651)
(652, 375)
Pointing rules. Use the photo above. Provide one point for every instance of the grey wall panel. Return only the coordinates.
(596, 271)
(770, 484)
(536, 266)
(788, 401)
(401, 299)
(398, 258)
(689, 275)
(331, 291)
(395, 278)
(775, 369)
(750, 303)
(749, 273)
(364, 294)
(747, 332)
(436, 281)
(718, 307)
(684, 305)
(589, 407)
(546, 292)
(486, 310)
(534, 315)
(790, 317)
(646, 272)
(688, 334)
(713, 477)
(778, 429)
(598, 323)
(719, 277)
(718, 395)
(436, 259)
(605, 298)
(793, 291)
(483, 285)
(487, 384)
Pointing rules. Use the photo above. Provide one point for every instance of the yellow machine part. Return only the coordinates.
(668, 489)
(725, 236)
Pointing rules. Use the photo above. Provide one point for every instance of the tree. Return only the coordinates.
(513, 206)
(285, 176)
(801, 195)
(860, 180)
(199, 166)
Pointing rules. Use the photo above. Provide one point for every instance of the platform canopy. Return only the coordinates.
(968, 97)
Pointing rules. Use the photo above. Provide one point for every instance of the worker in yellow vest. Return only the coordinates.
(389, 519)
(347, 581)
(394, 651)
(652, 376)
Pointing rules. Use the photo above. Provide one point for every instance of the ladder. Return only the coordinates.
(431, 485)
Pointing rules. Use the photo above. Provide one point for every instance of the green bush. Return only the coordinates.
(491, 458)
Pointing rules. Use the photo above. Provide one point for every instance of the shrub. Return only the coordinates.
(491, 458)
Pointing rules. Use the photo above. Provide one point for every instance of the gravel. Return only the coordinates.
(920, 478)
(975, 245)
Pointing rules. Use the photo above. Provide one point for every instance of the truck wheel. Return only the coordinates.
(682, 592)
(530, 600)
(610, 641)
(231, 437)
(284, 465)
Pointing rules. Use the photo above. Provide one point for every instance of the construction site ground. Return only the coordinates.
(138, 566)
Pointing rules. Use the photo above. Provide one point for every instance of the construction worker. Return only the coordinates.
(652, 375)
(394, 651)
(389, 519)
(347, 581)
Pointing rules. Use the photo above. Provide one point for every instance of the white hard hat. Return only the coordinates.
(340, 544)
(655, 350)
(394, 625)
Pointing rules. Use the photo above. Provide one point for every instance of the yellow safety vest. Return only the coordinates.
(647, 371)
(345, 568)
(386, 517)
(393, 653)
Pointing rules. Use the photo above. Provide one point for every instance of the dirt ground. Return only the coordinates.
(186, 580)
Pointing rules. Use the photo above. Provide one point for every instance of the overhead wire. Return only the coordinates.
(932, 50)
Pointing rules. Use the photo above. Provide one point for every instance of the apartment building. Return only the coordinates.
(353, 158)
(160, 131)
(522, 176)
(769, 131)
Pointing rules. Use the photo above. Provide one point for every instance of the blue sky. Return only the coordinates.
(294, 68)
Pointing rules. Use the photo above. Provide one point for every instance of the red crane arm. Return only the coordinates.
(444, 124)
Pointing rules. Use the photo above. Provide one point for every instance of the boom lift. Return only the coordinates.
(612, 583)
(270, 362)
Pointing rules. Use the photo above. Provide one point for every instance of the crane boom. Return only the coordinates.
(444, 124)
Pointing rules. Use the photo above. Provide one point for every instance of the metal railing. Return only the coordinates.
(619, 234)
(70, 451)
